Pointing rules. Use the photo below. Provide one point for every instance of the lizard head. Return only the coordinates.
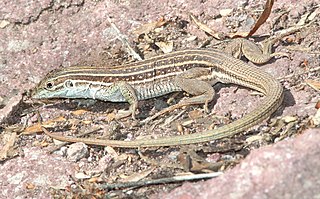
(72, 82)
(53, 85)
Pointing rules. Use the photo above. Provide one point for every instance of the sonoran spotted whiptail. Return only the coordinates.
(193, 71)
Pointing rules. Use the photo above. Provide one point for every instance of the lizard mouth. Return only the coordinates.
(43, 101)
(36, 94)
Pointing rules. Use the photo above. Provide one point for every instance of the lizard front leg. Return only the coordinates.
(125, 90)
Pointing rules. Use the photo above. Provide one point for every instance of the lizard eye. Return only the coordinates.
(49, 85)
(68, 84)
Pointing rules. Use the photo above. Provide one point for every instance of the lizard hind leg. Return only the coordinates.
(203, 91)
(190, 82)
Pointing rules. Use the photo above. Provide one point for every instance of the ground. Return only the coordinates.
(276, 159)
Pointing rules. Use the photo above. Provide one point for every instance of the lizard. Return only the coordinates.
(193, 71)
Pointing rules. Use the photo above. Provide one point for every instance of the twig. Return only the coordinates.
(302, 49)
(160, 181)
(205, 28)
(298, 74)
(163, 111)
(173, 118)
(65, 143)
(124, 41)
(158, 164)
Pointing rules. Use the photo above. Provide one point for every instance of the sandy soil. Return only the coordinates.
(276, 159)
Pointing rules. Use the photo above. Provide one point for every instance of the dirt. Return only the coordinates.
(37, 37)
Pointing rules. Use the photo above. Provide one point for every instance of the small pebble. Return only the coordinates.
(77, 151)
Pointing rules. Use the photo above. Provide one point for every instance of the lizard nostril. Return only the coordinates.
(68, 84)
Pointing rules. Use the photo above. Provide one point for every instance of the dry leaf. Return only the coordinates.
(313, 84)
(206, 29)
(111, 116)
(263, 18)
(225, 12)
(30, 186)
(305, 63)
(195, 114)
(184, 160)
(180, 128)
(192, 38)
(95, 180)
(308, 17)
(289, 119)
(137, 176)
(81, 176)
(314, 14)
(79, 112)
(188, 122)
(166, 47)
(303, 19)
(220, 36)
(4, 23)
(194, 162)
(32, 129)
(9, 140)
(254, 138)
(316, 118)
(87, 121)
(148, 27)
(112, 152)
(44, 144)
(36, 128)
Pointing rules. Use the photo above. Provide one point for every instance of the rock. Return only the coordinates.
(77, 151)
